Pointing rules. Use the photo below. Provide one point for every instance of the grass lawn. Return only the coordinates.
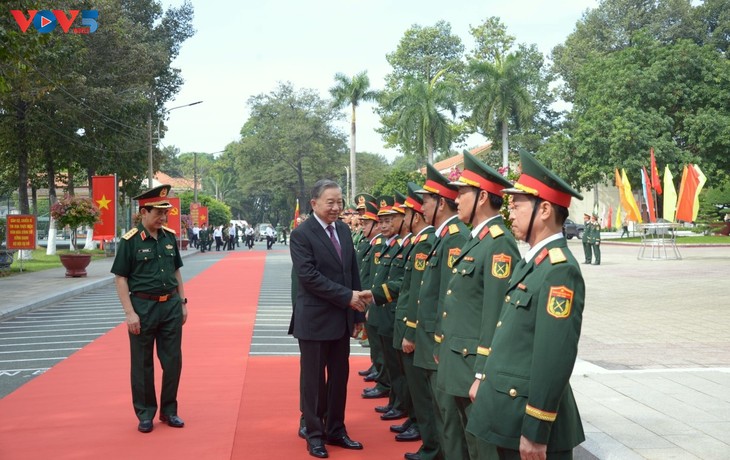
(41, 261)
(681, 240)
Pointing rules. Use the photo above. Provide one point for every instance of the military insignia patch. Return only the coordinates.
(560, 302)
(453, 255)
(168, 246)
(501, 266)
(376, 258)
(420, 262)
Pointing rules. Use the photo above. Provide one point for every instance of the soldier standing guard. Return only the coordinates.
(587, 235)
(524, 404)
(439, 209)
(596, 239)
(150, 288)
(474, 298)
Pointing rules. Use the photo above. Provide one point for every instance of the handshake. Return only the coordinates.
(361, 299)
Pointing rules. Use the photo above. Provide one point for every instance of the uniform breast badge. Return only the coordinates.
(560, 302)
(501, 266)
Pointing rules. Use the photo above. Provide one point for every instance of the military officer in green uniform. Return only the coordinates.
(596, 239)
(473, 298)
(423, 419)
(439, 209)
(524, 404)
(204, 235)
(587, 236)
(150, 288)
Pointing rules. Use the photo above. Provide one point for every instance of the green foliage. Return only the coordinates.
(397, 180)
(218, 213)
(714, 203)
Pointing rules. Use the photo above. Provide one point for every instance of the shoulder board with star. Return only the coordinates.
(423, 237)
(557, 256)
(168, 229)
(453, 228)
(377, 241)
(130, 233)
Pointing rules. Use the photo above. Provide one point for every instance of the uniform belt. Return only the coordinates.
(155, 297)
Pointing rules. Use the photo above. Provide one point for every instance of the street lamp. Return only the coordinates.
(151, 172)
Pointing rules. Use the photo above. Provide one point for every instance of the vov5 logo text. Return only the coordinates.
(45, 21)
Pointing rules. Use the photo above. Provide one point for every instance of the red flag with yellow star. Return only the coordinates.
(104, 195)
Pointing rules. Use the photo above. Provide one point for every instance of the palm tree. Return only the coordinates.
(422, 108)
(500, 96)
(351, 92)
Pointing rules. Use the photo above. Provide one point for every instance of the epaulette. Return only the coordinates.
(453, 228)
(376, 241)
(557, 256)
(130, 233)
(168, 229)
(496, 231)
(423, 237)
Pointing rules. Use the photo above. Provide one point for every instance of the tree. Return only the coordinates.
(287, 144)
(352, 91)
(372, 167)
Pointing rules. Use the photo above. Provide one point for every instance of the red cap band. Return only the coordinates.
(435, 187)
(543, 191)
(482, 183)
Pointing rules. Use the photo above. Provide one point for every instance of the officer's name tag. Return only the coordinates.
(145, 251)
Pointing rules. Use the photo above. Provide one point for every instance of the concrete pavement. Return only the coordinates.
(653, 376)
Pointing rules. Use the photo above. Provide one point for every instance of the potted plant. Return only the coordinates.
(75, 212)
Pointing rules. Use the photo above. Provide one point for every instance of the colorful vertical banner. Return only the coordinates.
(203, 215)
(174, 217)
(104, 195)
(195, 214)
(296, 215)
(20, 231)
(670, 195)
(648, 197)
(655, 182)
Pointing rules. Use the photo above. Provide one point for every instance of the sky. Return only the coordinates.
(245, 48)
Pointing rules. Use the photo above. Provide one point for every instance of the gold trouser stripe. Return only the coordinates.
(541, 414)
(411, 324)
(484, 351)
(387, 293)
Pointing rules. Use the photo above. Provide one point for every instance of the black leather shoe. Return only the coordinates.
(371, 377)
(411, 434)
(145, 426)
(303, 432)
(393, 414)
(172, 420)
(412, 456)
(345, 442)
(401, 428)
(382, 409)
(317, 449)
(374, 393)
(366, 372)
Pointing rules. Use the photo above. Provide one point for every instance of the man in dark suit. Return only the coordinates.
(327, 312)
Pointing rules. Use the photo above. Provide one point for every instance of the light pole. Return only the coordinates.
(150, 171)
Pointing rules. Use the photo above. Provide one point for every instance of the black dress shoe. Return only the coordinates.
(345, 442)
(393, 414)
(374, 393)
(172, 420)
(401, 428)
(145, 426)
(412, 456)
(382, 409)
(303, 432)
(317, 449)
(366, 372)
(411, 434)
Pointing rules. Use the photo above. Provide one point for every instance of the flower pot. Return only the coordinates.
(184, 245)
(75, 264)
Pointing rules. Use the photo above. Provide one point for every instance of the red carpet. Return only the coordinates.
(234, 406)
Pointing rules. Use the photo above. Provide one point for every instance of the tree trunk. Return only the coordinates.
(429, 149)
(353, 162)
(51, 173)
(22, 155)
(505, 144)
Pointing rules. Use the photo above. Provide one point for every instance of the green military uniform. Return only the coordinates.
(472, 305)
(204, 235)
(525, 389)
(405, 328)
(587, 238)
(451, 236)
(149, 265)
(596, 240)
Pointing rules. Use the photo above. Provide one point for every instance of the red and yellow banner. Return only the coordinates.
(174, 217)
(21, 231)
(104, 195)
(203, 216)
(195, 214)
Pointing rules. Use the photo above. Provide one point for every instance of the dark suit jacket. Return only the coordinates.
(324, 283)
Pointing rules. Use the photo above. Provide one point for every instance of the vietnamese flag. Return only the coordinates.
(174, 217)
(203, 216)
(104, 195)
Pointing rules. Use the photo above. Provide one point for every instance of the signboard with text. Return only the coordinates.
(195, 214)
(21, 232)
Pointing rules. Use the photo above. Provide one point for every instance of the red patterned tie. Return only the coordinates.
(331, 231)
